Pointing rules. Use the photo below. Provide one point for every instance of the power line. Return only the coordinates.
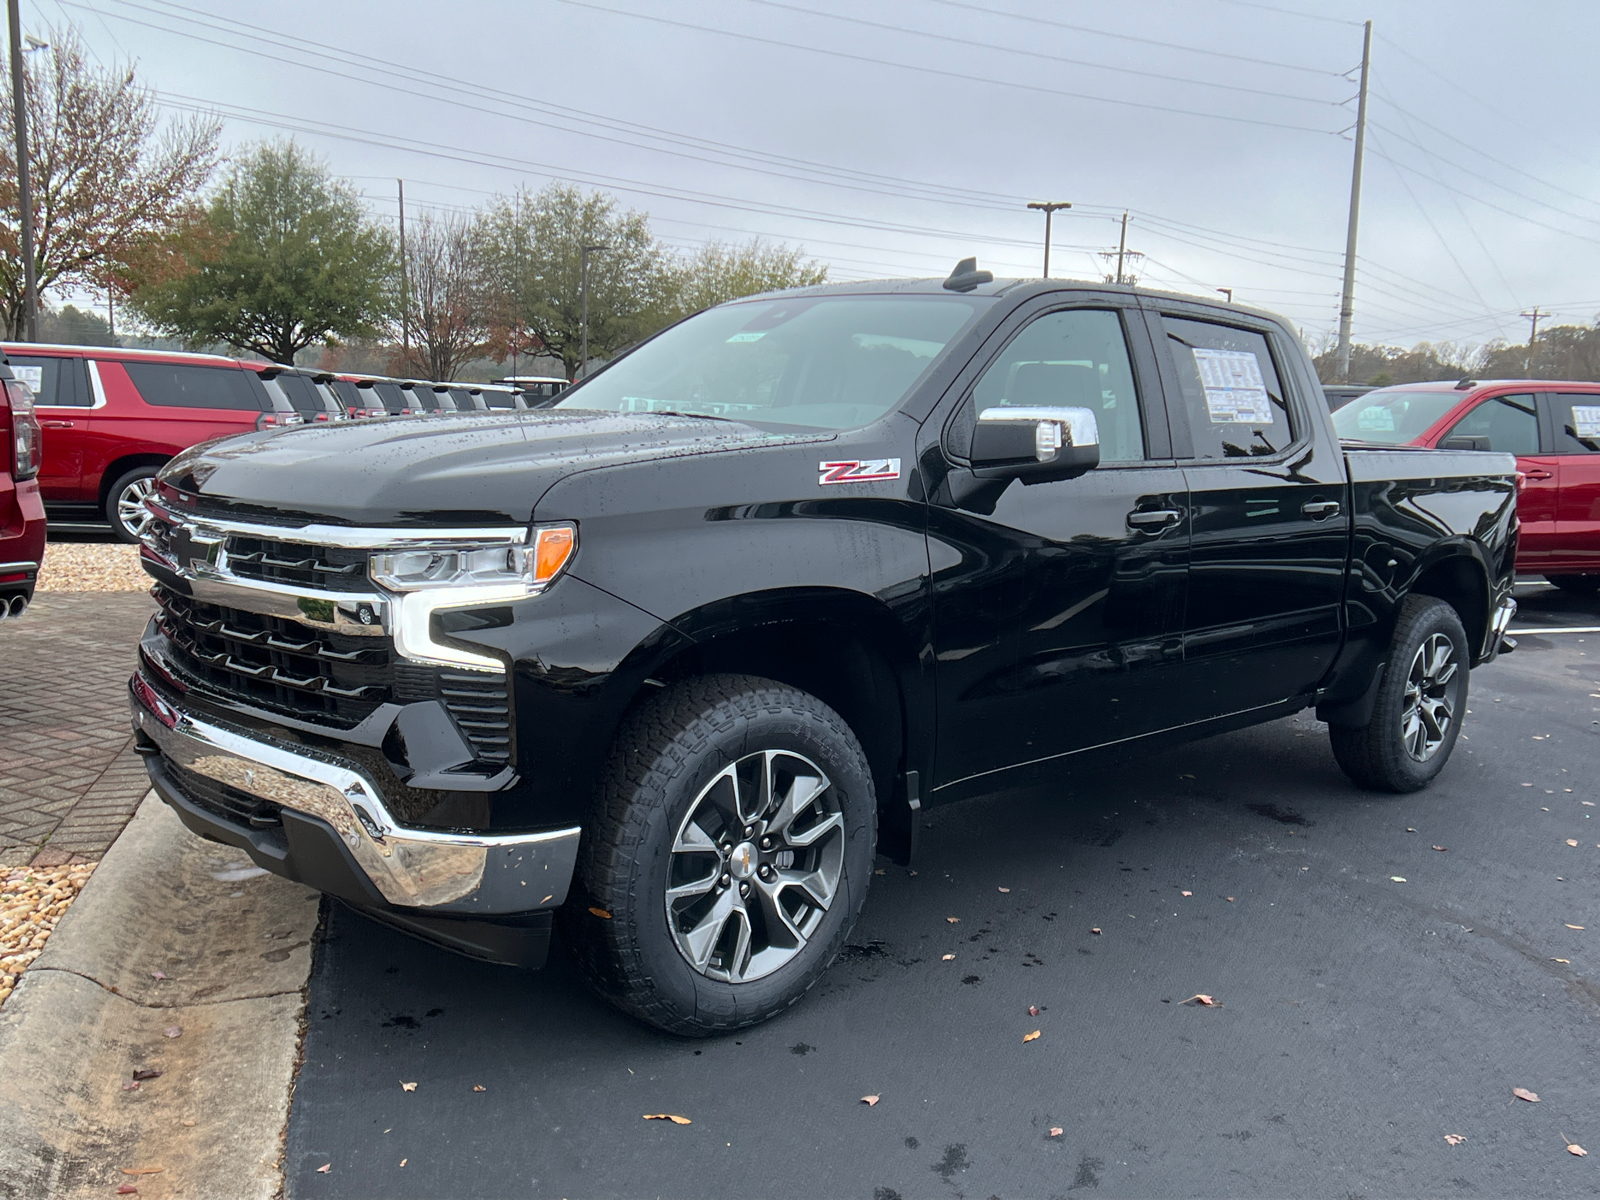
(1489, 204)
(1290, 12)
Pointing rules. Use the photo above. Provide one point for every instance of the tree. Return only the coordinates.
(716, 273)
(1424, 361)
(294, 262)
(1562, 352)
(74, 327)
(448, 311)
(108, 181)
(532, 246)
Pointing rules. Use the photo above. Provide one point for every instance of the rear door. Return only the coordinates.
(1575, 423)
(1057, 605)
(1268, 512)
(1509, 423)
(63, 401)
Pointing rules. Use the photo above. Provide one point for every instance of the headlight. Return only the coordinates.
(433, 578)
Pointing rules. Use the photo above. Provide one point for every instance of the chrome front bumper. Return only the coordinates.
(422, 871)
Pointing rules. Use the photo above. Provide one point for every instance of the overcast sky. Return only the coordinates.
(892, 137)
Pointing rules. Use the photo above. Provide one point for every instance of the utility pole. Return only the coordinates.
(405, 294)
(19, 113)
(1048, 208)
(1347, 302)
(583, 259)
(1122, 246)
(1533, 336)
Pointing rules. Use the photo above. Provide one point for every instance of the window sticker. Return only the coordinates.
(749, 337)
(1235, 391)
(1377, 417)
(34, 377)
(1585, 419)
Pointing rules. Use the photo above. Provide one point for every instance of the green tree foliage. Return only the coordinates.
(717, 273)
(531, 247)
(1562, 352)
(295, 262)
(110, 184)
(73, 326)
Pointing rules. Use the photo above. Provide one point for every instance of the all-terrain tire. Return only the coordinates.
(667, 753)
(1376, 755)
(1578, 585)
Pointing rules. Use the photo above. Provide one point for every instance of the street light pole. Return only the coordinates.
(19, 113)
(1048, 207)
(583, 259)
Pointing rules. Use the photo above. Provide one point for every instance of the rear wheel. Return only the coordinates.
(728, 857)
(1421, 702)
(1578, 585)
(125, 508)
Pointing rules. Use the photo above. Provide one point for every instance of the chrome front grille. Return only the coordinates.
(329, 568)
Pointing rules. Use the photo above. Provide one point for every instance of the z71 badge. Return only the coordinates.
(864, 471)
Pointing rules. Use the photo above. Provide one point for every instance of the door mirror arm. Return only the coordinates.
(1034, 444)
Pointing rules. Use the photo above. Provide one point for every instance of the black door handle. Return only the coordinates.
(1318, 509)
(1154, 518)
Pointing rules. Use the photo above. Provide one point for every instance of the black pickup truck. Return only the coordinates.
(670, 662)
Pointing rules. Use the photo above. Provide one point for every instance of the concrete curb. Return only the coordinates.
(170, 931)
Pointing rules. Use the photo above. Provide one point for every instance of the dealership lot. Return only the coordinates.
(1376, 994)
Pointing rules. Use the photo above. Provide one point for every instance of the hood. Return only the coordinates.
(441, 472)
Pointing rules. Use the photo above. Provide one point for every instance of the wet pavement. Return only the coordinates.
(1388, 970)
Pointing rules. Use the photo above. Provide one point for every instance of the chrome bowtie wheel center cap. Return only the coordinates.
(742, 861)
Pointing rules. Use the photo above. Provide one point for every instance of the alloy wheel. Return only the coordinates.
(756, 864)
(131, 510)
(1428, 706)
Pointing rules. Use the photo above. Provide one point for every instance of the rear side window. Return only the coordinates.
(495, 399)
(51, 379)
(390, 396)
(177, 385)
(428, 398)
(1577, 422)
(302, 393)
(348, 393)
(1231, 390)
(1510, 423)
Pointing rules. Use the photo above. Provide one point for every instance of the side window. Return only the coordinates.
(302, 393)
(49, 379)
(1076, 358)
(178, 385)
(1511, 424)
(1577, 422)
(1235, 402)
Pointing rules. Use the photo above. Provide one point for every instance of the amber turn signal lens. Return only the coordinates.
(551, 550)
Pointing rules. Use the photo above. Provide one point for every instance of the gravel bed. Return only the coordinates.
(92, 567)
(32, 900)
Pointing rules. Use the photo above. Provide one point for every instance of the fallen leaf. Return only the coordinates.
(142, 1170)
(1056, 1131)
(869, 1101)
(127, 1189)
(407, 1087)
(673, 1117)
(1525, 1094)
(404, 1161)
(131, 1087)
(1455, 1139)
(1574, 926)
(1441, 849)
(1568, 961)
(478, 1087)
(955, 921)
(1575, 1149)
(1229, 899)
(1202, 999)
(948, 958)
(1187, 893)
(1588, 803)
(1034, 1036)
(1005, 889)
(158, 974)
(173, 1031)
(1033, 1010)
(1095, 930)
(188, 1124)
(1572, 841)
(146, 1073)
(600, 912)
(324, 1168)
(1397, 879)
(1409, 829)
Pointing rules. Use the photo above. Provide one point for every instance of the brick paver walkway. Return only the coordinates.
(69, 779)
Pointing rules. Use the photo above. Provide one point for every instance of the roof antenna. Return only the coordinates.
(966, 276)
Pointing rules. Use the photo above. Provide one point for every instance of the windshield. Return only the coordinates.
(834, 362)
(1392, 417)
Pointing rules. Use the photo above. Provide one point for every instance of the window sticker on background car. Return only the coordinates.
(1376, 417)
(862, 471)
(34, 377)
(1235, 391)
(1585, 417)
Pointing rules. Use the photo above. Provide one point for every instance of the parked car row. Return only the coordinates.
(111, 418)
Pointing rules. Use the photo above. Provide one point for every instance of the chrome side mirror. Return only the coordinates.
(1035, 443)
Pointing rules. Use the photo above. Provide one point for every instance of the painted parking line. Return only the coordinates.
(1559, 629)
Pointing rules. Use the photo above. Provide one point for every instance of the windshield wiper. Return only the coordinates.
(673, 412)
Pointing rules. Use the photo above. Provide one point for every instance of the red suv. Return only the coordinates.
(21, 512)
(1552, 428)
(112, 418)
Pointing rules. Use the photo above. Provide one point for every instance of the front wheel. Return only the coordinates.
(1421, 701)
(728, 856)
(125, 499)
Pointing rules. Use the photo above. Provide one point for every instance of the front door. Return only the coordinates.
(1577, 444)
(1269, 517)
(1057, 605)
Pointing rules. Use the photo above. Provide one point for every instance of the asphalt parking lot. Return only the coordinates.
(1376, 993)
